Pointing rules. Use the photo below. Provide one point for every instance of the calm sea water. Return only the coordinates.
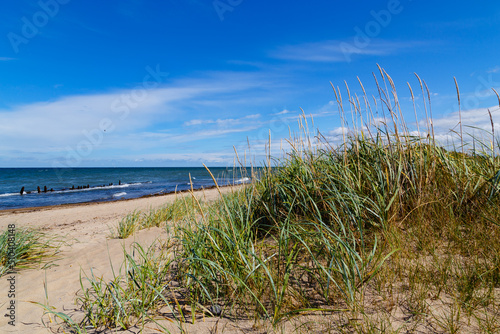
(102, 184)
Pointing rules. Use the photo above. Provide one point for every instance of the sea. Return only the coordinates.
(82, 185)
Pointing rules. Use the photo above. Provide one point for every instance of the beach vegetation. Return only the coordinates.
(127, 226)
(22, 248)
(181, 208)
(131, 297)
(388, 230)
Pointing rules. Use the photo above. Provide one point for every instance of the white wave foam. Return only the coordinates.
(120, 194)
(243, 180)
(11, 194)
(125, 185)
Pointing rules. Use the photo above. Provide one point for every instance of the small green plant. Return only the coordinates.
(24, 247)
(127, 226)
(131, 295)
(65, 319)
(130, 298)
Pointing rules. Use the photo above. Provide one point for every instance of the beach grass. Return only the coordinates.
(127, 226)
(386, 216)
(133, 296)
(384, 231)
(133, 293)
(22, 248)
(181, 208)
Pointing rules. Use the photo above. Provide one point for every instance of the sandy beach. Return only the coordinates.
(85, 230)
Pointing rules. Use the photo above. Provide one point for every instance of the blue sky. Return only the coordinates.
(181, 83)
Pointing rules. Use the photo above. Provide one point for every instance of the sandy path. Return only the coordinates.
(85, 228)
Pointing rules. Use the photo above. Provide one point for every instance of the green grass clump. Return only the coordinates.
(331, 223)
(276, 261)
(127, 226)
(22, 248)
(131, 295)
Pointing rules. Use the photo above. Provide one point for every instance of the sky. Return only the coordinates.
(126, 83)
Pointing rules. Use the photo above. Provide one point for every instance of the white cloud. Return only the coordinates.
(197, 122)
(169, 138)
(283, 112)
(340, 50)
(478, 118)
(62, 122)
(221, 122)
(119, 120)
(200, 157)
(339, 131)
(495, 69)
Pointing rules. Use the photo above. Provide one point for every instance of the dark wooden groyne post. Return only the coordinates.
(44, 189)
(38, 189)
(22, 191)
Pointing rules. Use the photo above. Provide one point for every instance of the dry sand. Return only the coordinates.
(85, 229)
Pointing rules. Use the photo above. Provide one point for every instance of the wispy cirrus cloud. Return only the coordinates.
(121, 122)
(221, 122)
(283, 112)
(157, 138)
(495, 69)
(335, 50)
(217, 157)
(62, 122)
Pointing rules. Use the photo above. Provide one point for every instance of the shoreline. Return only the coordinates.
(4, 212)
